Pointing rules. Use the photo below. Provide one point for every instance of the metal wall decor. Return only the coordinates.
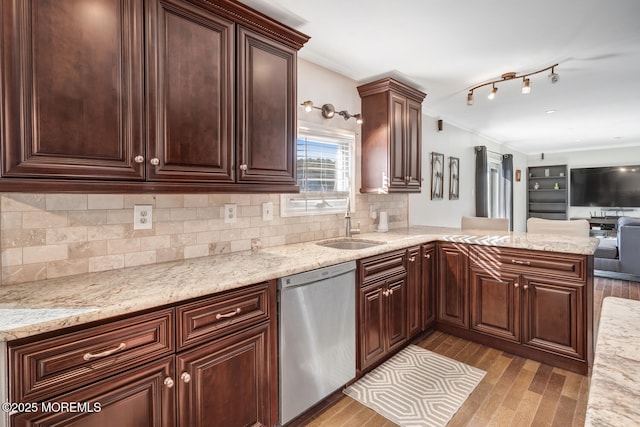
(437, 176)
(454, 178)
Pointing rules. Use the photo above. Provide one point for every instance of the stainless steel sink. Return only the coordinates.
(349, 243)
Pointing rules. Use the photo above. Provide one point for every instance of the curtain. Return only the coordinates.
(507, 188)
(482, 182)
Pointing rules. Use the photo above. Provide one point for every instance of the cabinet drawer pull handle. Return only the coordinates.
(185, 377)
(385, 293)
(243, 167)
(89, 356)
(515, 261)
(229, 314)
(138, 159)
(412, 259)
(427, 256)
(155, 161)
(168, 382)
(515, 285)
(390, 291)
(525, 287)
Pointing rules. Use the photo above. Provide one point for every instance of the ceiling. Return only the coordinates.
(446, 47)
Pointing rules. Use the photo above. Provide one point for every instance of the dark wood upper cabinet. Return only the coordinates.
(266, 109)
(391, 137)
(187, 96)
(190, 81)
(73, 89)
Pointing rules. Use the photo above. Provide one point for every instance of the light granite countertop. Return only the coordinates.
(31, 308)
(614, 392)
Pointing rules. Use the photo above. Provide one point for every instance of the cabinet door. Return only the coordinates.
(397, 145)
(190, 86)
(138, 397)
(371, 324)
(413, 145)
(428, 285)
(226, 382)
(553, 316)
(73, 90)
(266, 110)
(453, 290)
(414, 291)
(396, 313)
(495, 303)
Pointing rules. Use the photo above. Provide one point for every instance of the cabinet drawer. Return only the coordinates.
(222, 314)
(52, 366)
(381, 266)
(529, 261)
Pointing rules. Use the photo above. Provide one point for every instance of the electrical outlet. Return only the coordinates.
(230, 213)
(267, 211)
(142, 217)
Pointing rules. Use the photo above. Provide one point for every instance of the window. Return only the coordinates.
(324, 170)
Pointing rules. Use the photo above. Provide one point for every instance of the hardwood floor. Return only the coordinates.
(515, 391)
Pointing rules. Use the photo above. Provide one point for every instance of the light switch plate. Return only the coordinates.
(267, 211)
(230, 213)
(142, 217)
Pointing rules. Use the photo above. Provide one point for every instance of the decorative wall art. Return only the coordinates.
(454, 178)
(437, 176)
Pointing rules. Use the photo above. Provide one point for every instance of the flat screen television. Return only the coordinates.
(613, 186)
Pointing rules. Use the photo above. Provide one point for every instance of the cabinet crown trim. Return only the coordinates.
(245, 15)
(390, 84)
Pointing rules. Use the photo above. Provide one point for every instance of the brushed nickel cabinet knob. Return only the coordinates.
(138, 159)
(155, 161)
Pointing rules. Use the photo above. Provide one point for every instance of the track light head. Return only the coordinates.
(493, 92)
(526, 85)
(358, 118)
(308, 106)
(470, 98)
(553, 77)
(328, 111)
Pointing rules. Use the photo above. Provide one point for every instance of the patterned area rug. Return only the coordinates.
(417, 387)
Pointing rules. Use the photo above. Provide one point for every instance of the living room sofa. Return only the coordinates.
(620, 254)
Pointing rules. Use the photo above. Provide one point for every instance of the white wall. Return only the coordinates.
(590, 158)
(456, 142)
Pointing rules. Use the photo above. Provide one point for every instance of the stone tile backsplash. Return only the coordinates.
(53, 235)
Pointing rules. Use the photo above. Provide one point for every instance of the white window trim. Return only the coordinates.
(345, 135)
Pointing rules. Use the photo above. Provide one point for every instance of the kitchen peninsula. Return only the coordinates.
(560, 269)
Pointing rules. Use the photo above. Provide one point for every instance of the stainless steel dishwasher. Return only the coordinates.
(317, 336)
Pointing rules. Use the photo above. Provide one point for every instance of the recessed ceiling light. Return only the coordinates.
(551, 111)
(617, 137)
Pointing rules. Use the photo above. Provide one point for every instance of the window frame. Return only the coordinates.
(321, 199)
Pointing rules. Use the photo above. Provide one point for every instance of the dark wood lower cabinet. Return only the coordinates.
(453, 289)
(223, 373)
(414, 292)
(138, 397)
(553, 316)
(226, 382)
(534, 304)
(429, 281)
(382, 308)
(495, 303)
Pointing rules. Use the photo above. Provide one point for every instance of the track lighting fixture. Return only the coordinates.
(329, 111)
(526, 83)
